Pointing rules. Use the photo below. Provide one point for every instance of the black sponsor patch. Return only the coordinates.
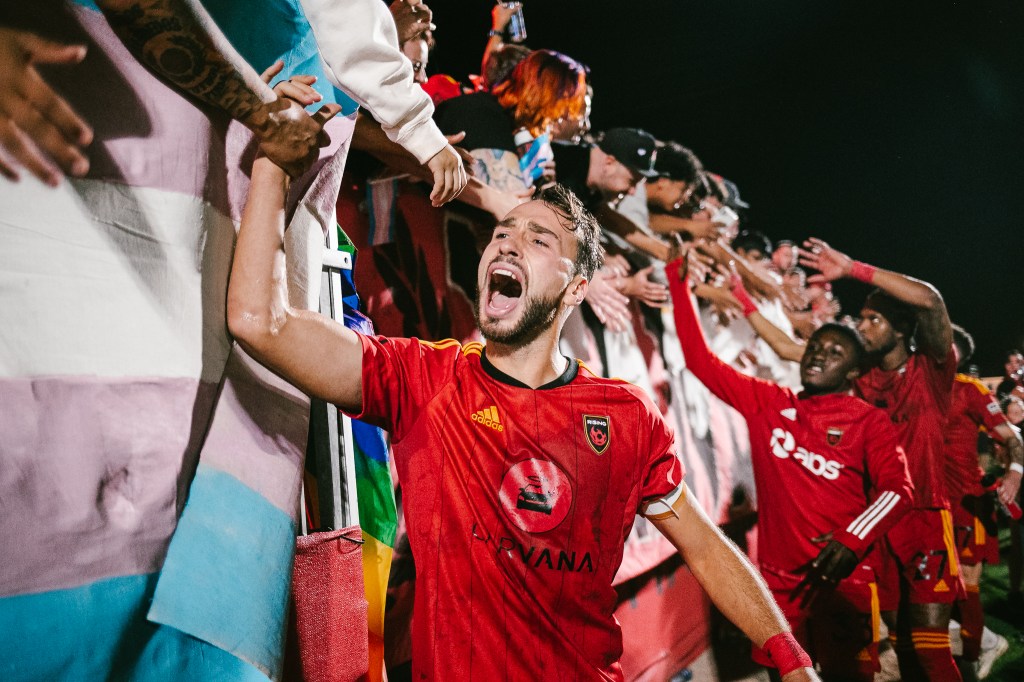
(834, 435)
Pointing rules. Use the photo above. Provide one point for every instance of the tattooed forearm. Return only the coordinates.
(169, 37)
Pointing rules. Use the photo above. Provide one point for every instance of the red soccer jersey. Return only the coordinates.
(518, 502)
(972, 406)
(916, 398)
(823, 463)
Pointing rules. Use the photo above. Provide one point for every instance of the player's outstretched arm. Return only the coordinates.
(780, 342)
(934, 329)
(728, 578)
(318, 355)
(1010, 438)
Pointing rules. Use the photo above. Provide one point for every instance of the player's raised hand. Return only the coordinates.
(830, 264)
(38, 129)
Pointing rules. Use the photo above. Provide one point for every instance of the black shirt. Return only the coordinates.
(572, 164)
(486, 124)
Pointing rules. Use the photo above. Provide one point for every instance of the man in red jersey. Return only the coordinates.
(522, 472)
(973, 407)
(827, 467)
(907, 331)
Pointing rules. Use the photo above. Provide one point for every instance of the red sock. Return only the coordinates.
(933, 654)
(972, 622)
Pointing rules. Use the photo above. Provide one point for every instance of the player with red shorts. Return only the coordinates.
(522, 472)
(828, 468)
(907, 331)
(973, 407)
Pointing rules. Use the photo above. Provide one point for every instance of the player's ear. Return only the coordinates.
(576, 291)
(853, 373)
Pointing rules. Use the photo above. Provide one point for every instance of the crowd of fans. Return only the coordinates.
(523, 125)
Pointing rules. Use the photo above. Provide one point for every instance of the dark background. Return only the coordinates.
(894, 130)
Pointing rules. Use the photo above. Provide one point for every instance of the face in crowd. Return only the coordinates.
(830, 362)
(880, 335)
(526, 272)
(1014, 363)
(418, 53)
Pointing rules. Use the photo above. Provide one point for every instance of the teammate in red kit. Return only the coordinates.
(907, 331)
(973, 407)
(828, 468)
(522, 471)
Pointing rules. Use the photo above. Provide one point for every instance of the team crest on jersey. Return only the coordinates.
(834, 435)
(598, 432)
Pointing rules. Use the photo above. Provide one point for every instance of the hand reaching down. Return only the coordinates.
(38, 129)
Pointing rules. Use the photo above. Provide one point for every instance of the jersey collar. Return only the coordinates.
(571, 370)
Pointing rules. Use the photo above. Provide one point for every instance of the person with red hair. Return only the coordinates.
(545, 87)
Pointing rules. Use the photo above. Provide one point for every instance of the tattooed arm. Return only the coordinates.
(180, 42)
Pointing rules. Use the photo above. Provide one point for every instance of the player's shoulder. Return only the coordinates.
(969, 383)
(613, 385)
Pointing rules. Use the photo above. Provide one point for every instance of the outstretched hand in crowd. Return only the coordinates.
(295, 144)
(289, 136)
(38, 129)
(830, 264)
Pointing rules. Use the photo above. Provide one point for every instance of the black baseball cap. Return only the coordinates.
(633, 148)
(732, 195)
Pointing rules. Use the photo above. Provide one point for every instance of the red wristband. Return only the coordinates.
(743, 297)
(863, 272)
(785, 653)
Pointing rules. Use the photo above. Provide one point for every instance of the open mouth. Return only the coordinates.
(504, 289)
(814, 367)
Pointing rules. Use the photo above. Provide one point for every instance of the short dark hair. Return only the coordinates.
(678, 163)
(900, 316)
(850, 333)
(589, 253)
(500, 63)
(964, 343)
(749, 240)
(1009, 353)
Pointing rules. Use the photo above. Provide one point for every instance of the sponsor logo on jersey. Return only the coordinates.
(598, 432)
(536, 495)
(488, 417)
(789, 413)
(783, 445)
(833, 436)
(537, 556)
(993, 408)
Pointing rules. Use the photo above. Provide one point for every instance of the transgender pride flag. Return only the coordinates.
(149, 470)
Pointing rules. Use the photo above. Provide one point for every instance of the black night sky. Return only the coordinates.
(893, 130)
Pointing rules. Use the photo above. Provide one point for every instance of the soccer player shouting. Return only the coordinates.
(907, 331)
(828, 469)
(522, 471)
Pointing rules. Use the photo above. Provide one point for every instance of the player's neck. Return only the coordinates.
(895, 358)
(535, 364)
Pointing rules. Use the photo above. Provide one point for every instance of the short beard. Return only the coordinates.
(538, 317)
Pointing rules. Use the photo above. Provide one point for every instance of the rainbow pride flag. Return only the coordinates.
(378, 515)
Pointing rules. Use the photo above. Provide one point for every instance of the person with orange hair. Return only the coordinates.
(542, 89)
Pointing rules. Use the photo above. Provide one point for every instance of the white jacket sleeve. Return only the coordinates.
(358, 43)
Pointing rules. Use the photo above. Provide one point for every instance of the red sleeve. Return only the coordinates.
(890, 481)
(745, 394)
(983, 409)
(940, 377)
(400, 376)
(663, 473)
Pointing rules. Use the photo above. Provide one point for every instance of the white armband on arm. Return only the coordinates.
(664, 507)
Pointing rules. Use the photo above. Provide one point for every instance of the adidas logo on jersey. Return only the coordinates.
(488, 417)
(784, 446)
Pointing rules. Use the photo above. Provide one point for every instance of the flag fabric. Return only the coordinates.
(150, 470)
(378, 515)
